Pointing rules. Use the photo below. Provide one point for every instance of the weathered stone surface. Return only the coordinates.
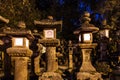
(87, 70)
(86, 63)
(19, 52)
(52, 63)
(89, 76)
(37, 65)
(50, 76)
(49, 42)
(21, 69)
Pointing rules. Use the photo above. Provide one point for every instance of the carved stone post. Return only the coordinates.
(87, 70)
(37, 59)
(52, 63)
(21, 62)
(70, 47)
(21, 57)
(37, 65)
(21, 68)
(86, 61)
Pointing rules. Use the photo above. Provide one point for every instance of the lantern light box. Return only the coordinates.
(85, 37)
(105, 33)
(49, 33)
(20, 42)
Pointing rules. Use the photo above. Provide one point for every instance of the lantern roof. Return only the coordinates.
(4, 19)
(86, 26)
(49, 23)
(15, 32)
(105, 25)
(19, 31)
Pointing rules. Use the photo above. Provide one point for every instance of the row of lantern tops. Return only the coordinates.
(49, 27)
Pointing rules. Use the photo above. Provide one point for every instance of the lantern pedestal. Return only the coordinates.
(21, 69)
(52, 62)
(70, 61)
(21, 56)
(87, 71)
(50, 76)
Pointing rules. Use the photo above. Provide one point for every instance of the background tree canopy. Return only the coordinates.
(67, 10)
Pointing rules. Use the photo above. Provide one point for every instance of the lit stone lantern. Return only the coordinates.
(87, 71)
(50, 27)
(19, 51)
(104, 31)
(104, 39)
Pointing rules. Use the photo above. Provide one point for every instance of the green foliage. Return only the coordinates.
(103, 67)
(17, 10)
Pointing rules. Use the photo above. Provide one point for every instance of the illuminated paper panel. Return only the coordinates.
(49, 33)
(18, 41)
(87, 37)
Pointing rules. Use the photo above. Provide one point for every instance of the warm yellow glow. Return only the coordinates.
(49, 33)
(104, 33)
(87, 37)
(27, 43)
(79, 38)
(43, 49)
(107, 33)
(18, 42)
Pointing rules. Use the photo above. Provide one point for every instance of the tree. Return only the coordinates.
(17, 10)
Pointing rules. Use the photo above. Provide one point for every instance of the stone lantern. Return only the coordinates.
(105, 29)
(104, 39)
(19, 51)
(87, 70)
(50, 27)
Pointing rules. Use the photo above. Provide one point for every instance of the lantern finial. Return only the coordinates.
(85, 18)
(21, 24)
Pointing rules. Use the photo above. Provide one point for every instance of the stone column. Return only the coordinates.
(87, 71)
(86, 63)
(70, 65)
(37, 65)
(21, 68)
(70, 60)
(52, 64)
(21, 57)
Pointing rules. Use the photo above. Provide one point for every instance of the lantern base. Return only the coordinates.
(49, 42)
(50, 76)
(89, 76)
(19, 52)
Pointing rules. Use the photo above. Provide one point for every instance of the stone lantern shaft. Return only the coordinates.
(51, 59)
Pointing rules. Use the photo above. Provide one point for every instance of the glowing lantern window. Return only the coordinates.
(107, 33)
(79, 38)
(27, 43)
(18, 42)
(49, 33)
(104, 33)
(86, 37)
